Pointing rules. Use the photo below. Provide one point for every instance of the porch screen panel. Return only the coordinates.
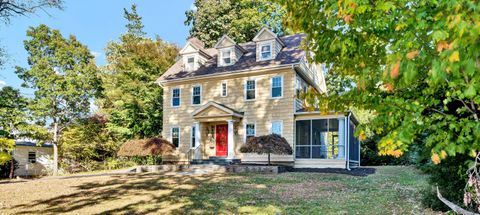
(354, 144)
(303, 146)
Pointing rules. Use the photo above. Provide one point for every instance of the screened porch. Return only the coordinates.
(326, 141)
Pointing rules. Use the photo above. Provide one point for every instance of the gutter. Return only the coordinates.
(162, 83)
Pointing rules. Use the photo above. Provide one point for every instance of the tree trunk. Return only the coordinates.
(269, 159)
(55, 149)
(12, 166)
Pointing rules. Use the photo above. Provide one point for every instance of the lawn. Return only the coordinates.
(390, 190)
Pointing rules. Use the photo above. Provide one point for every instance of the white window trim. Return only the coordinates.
(179, 136)
(281, 126)
(271, 87)
(192, 134)
(226, 89)
(245, 90)
(194, 62)
(269, 43)
(221, 56)
(179, 97)
(193, 86)
(245, 128)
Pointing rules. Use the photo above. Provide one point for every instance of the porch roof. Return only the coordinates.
(213, 111)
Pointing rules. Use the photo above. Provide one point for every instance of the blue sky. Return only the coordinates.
(94, 23)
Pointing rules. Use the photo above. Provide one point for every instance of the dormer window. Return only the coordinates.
(226, 57)
(190, 65)
(266, 51)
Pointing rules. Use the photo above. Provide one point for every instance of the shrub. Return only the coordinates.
(6, 167)
(267, 144)
(146, 151)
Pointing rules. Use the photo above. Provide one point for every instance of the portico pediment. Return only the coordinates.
(215, 110)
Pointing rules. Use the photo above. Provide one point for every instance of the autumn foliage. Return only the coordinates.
(146, 147)
(267, 144)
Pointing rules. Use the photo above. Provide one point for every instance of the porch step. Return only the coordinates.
(216, 160)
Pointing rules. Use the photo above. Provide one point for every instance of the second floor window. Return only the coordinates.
(196, 95)
(224, 89)
(226, 59)
(176, 97)
(190, 63)
(176, 136)
(266, 51)
(250, 90)
(277, 84)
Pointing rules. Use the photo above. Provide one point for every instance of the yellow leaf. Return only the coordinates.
(455, 57)
(435, 158)
(362, 136)
(443, 154)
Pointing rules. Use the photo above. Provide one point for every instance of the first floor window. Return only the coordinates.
(32, 157)
(196, 95)
(176, 136)
(250, 131)
(277, 127)
(193, 137)
(277, 84)
(250, 90)
(176, 97)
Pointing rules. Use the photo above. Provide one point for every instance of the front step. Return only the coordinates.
(216, 160)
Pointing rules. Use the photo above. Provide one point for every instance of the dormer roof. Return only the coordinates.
(266, 34)
(225, 41)
(194, 45)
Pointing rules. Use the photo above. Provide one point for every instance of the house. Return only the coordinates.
(33, 159)
(216, 98)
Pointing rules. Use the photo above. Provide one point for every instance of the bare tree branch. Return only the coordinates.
(11, 8)
(454, 207)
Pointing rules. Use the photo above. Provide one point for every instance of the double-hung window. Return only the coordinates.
(32, 157)
(176, 97)
(224, 89)
(249, 131)
(190, 63)
(193, 143)
(277, 85)
(175, 136)
(277, 127)
(226, 57)
(266, 51)
(250, 90)
(196, 95)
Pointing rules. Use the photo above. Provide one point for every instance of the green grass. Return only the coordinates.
(391, 190)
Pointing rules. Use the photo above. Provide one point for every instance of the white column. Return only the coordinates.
(197, 140)
(231, 144)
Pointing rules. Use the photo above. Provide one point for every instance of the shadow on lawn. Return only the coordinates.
(134, 194)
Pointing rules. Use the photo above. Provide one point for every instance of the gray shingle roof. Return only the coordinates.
(290, 54)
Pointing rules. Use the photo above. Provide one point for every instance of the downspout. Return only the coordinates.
(347, 125)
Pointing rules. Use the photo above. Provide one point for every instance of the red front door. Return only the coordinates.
(221, 138)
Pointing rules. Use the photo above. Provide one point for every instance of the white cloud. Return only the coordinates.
(3, 83)
(96, 54)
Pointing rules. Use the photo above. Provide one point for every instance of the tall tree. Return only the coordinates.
(240, 19)
(64, 76)
(415, 63)
(131, 99)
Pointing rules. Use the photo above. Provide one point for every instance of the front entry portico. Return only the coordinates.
(216, 130)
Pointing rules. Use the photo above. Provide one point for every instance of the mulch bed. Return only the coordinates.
(361, 171)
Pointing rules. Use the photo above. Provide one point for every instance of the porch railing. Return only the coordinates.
(194, 153)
